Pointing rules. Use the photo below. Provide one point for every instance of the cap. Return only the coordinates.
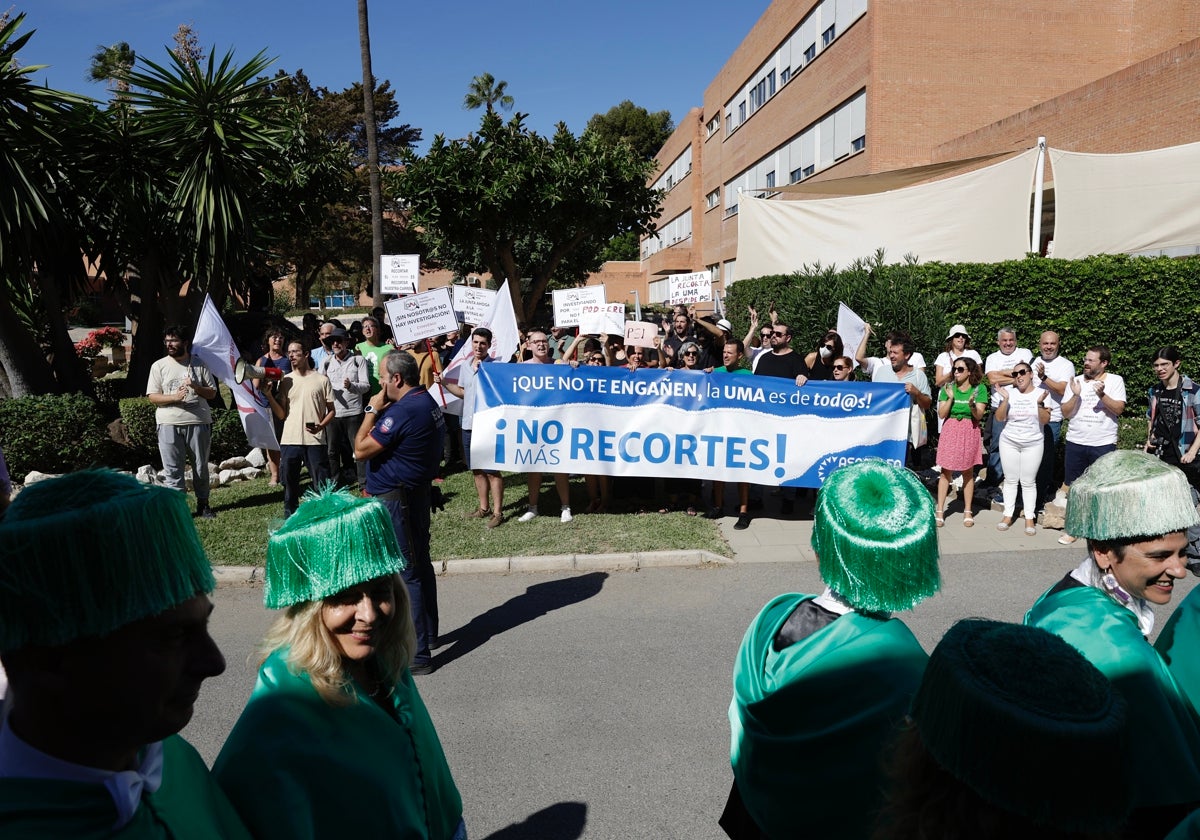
(1109, 501)
(874, 535)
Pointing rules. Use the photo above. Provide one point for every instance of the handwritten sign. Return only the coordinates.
(473, 304)
(689, 288)
(422, 316)
(398, 273)
(609, 318)
(568, 303)
(640, 333)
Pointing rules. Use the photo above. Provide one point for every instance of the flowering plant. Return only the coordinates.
(97, 340)
(89, 348)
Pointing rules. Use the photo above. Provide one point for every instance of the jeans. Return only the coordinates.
(410, 518)
(1045, 476)
(1079, 457)
(342, 466)
(995, 466)
(291, 456)
(1021, 462)
(174, 445)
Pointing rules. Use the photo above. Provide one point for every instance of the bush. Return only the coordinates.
(1134, 305)
(52, 433)
(228, 436)
(138, 414)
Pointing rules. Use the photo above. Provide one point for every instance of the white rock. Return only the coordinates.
(33, 477)
(226, 476)
(147, 475)
(234, 464)
(256, 458)
(250, 472)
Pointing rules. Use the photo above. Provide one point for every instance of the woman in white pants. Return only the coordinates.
(1023, 408)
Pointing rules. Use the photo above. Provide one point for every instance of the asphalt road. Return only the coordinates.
(594, 704)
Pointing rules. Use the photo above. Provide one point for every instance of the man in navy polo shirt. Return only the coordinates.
(401, 441)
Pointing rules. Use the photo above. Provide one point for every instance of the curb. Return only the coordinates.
(253, 575)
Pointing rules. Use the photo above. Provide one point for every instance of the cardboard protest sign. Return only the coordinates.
(609, 318)
(473, 304)
(398, 273)
(689, 288)
(417, 317)
(640, 334)
(568, 303)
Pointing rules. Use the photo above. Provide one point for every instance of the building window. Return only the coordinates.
(858, 144)
(731, 211)
(728, 123)
(712, 125)
(771, 179)
(712, 199)
(784, 75)
(795, 176)
(810, 53)
(828, 35)
(741, 112)
(808, 170)
(771, 83)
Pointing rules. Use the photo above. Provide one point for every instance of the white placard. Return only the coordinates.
(609, 319)
(473, 303)
(689, 288)
(417, 317)
(568, 303)
(398, 273)
(640, 333)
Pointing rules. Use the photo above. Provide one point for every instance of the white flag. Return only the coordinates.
(214, 346)
(506, 337)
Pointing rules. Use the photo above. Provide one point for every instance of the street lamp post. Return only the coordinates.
(637, 305)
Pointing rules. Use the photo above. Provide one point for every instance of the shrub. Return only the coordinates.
(138, 414)
(52, 433)
(228, 436)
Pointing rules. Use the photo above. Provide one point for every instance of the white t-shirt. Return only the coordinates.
(1093, 424)
(1022, 424)
(1060, 369)
(166, 375)
(998, 361)
(945, 360)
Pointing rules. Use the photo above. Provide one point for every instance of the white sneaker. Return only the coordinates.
(527, 515)
(566, 515)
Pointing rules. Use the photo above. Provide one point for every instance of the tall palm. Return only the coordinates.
(370, 129)
(485, 92)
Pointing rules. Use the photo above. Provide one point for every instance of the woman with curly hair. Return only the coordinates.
(962, 403)
(335, 716)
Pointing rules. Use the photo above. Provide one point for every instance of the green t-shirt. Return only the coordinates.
(374, 356)
(960, 409)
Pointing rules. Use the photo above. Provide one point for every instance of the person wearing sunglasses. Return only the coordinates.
(820, 361)
(998, 368)
(1024, 413)
(843, 369)
(958, 346)
(961, 406)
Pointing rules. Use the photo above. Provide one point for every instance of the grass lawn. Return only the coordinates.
(246, 510)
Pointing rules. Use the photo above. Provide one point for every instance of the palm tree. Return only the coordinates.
(485, 92)
(369, 128)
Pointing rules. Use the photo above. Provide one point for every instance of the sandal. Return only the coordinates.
(939, 519)
(968, 520)
(1003, 524)
(1066, 539)
(1030, 530)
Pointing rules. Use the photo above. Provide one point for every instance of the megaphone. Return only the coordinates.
(244, 370)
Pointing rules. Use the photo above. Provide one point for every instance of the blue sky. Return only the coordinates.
(563, 59)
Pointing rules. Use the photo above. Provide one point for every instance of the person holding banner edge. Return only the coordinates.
(539, 346)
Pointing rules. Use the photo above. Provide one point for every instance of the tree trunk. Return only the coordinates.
(70, 375)
(364, 41)
(21, 356)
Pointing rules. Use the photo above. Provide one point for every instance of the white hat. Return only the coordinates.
(957, 329)
(725, 325)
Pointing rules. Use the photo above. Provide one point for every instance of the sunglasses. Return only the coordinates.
(779, 334)
(960, 370)
(1024, 372)
(690, 353)
(595, 360)
(841, 367)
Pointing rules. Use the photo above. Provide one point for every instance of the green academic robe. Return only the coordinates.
(810, 722)
(1164, 741)
(1179, 645)
(296, 767)
(187, 806)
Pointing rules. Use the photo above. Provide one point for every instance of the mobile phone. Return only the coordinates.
(313, 428)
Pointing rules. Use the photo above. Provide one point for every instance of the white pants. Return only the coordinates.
(1020, 462)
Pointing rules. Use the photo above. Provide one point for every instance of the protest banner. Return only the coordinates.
(213, 345)
(568, 303)
(473, 304)
(689, 288)
(596, 319)
(399, 273)
(502, 321)
(417, 317)
(611, 421)
(640, 334)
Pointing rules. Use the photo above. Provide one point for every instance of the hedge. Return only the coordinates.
(53, 433)
(1133, 305)
(228, 436)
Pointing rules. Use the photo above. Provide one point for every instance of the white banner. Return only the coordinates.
(609, 318)
(689, 288)
(213, 345)
(399, 273)
(473, 304)
(421, 316)
(568, 303)
(506, 337)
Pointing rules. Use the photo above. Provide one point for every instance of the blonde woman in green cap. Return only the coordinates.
(821, 682)
(104, 633)
(335, 717)
(1133, 511)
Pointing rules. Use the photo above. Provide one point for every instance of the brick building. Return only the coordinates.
(828, 89)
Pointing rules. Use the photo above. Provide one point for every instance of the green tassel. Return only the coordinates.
(1127, 494)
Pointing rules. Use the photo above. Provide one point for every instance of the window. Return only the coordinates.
(712, 199)
(713, 125)
(858, 144)
(728, 123)
(810, 53)
(741, 112)
(808, 170)
(828, 35)
(784, 75)
(771, 179)
(771, 83)
(795, 176)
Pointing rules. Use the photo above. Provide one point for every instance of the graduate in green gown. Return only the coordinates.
(821, 682)
(1133, 510)
(335, 740)
(104, 634)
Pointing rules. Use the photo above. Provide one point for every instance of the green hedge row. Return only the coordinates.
(53, 434)
(1134, 305)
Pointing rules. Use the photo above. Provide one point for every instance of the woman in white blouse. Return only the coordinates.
(1024, 409)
